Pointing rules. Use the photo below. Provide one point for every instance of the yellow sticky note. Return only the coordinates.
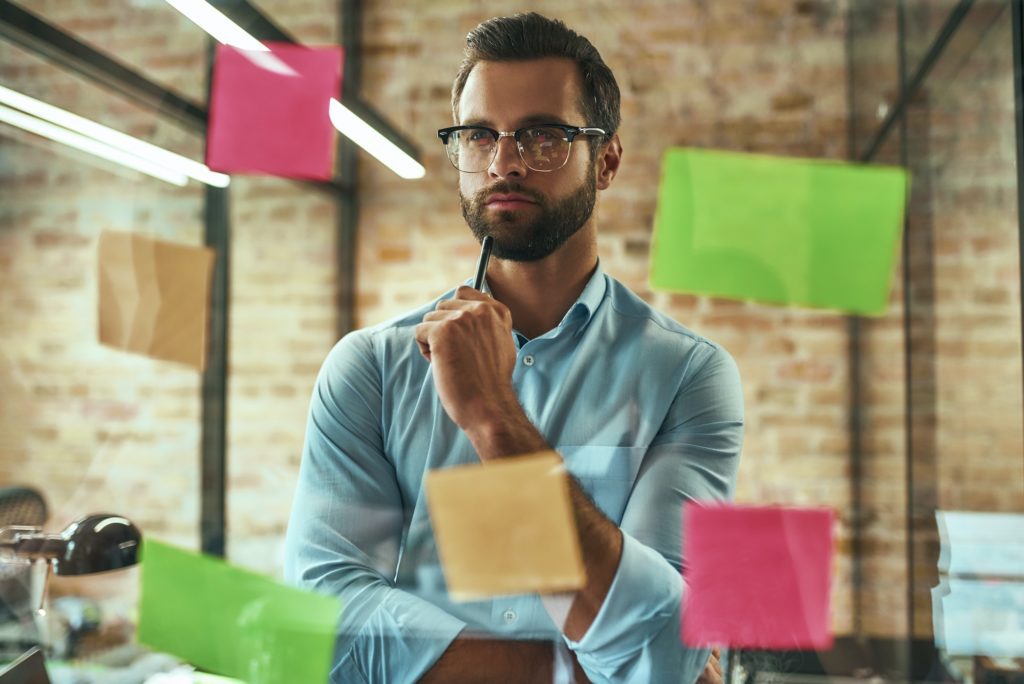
(154, 297)
(505, 527)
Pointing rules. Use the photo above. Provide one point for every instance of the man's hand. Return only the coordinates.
(712, 673)
(468, 341)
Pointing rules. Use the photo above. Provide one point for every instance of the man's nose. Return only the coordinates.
(507, 160)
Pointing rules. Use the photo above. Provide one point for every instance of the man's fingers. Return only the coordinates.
(438, 315)
(449, 304)
(422, 334)
(466, 292)
(424, 350)
(710, 675)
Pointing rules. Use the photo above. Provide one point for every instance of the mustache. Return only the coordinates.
(506, 188)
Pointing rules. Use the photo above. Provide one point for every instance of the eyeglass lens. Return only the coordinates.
(542, 148)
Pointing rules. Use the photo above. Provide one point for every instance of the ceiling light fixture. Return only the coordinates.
(114, 145)
(90, 145)
(213, 21)
(371, 140)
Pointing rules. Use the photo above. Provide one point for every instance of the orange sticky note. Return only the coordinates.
(154, 297)
(505, 527)
(757, 576)
(269, 110)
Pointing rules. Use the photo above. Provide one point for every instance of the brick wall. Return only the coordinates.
(104, 429)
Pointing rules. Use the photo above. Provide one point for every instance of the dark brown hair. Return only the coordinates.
(528, 36)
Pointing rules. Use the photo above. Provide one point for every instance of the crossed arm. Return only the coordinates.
(601, 546)
(467, 340)
(335, 547)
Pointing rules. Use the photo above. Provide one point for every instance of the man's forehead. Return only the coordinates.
(519, 90)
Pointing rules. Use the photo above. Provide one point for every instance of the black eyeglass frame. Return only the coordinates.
(570, 134)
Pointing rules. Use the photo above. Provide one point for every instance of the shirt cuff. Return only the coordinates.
(645, 592)
(401, 641)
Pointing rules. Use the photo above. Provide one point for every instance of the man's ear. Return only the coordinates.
(609, 156)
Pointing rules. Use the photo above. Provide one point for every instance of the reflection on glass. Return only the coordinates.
(81, 423)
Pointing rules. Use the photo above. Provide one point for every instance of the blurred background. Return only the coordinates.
(887, 420)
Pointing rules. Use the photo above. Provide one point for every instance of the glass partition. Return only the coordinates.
(941, 375)
(965, 333)
(91, 428)
(912, 433)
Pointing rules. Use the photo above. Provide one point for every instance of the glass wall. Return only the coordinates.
(933, 448)
(93, 428)
(82, 423)
(942, 435)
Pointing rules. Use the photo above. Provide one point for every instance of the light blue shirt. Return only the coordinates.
(646, 415)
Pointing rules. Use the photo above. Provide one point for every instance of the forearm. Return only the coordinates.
(469, 660)
(601, 546)
(600, 538)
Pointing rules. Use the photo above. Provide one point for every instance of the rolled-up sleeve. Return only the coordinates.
(695, 456)
(346, 527)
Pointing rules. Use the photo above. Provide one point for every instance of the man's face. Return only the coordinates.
(546, 209)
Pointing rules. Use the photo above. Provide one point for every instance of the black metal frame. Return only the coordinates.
(855, 422)
(901, 112)
(909, 89)
(348, 205)
(214, 449)
(34, 34)
(1018, 98)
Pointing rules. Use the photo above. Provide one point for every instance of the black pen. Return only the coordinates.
(481, 266)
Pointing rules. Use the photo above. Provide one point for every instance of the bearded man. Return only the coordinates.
(553, 354)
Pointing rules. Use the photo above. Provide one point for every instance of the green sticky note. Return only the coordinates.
(805, 232)
(234, 622)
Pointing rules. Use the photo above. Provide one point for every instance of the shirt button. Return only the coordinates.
(528, 360)
(509, 616)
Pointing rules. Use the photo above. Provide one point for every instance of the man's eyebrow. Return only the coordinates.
(530, 120)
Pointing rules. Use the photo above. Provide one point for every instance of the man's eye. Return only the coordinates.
(479, 137)
(545, 137)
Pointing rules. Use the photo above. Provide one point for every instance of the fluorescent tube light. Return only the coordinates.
(371, 140)
(90, 145)
(211, 20)
(115, 139)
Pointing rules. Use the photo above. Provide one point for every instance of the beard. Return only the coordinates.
(520, 239)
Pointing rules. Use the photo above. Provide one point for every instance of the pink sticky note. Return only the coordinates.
(757, 576)
(269, 111)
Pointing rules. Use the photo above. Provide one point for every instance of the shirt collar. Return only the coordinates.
(585, 305)
(591, 297)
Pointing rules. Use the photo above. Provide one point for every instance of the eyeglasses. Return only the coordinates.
(545, 147)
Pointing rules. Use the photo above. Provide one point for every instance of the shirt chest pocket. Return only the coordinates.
(606, 474)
